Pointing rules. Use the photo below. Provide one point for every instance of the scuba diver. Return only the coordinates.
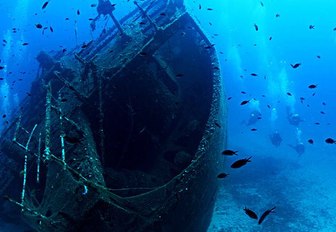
(293, 118)
(299, 148)
(105, 8)
(254, 117)
(276, 139)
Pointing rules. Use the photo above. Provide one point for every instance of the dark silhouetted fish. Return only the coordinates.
(264, 215)
(244, 102)
(241, 162)
(256, 27)
(222, 175)
(229, 152)
(330, 141)
(312, 86)
(72, 140)
(254, 74)
(296, 65)
(310, 141)
(250, 213)
(311, 27)
(38, 25)
(45, 5)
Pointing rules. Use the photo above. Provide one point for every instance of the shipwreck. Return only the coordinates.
(123, 134)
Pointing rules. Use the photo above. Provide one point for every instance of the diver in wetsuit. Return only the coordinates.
(293, 118)
(253, 118)
(276, 139)
(105, 8)
(299, 148)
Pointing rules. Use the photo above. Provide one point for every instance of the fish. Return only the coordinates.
(312, 86)
(72, 140)
(241, 162)
(310, 141)
(222, 175)
(264, 215)
(78, 12)
(289, 94)
(179, 75)
(250, 213)
(209, 46)
(229, 98)
(218, 125)
(4, 116)
(319, 57)
(199, 6)
(253, 129)
(25, 44)
(229, 152)
(209, 9)
(51, 29)
(256, 27)
(254, 74)
(277, 15)
(45, 5)
(244, 102)
(38, 25)
(261, 3)
(270, 38)
(2, 67)
(296, 65)
(302, 99)
(93, 5)
(330, 141)
(311, 27)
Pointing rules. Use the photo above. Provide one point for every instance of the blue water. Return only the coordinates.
(302, 187)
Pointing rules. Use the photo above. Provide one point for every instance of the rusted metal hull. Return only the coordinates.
(134, 124)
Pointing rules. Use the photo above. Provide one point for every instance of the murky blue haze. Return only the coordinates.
(301, 186)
